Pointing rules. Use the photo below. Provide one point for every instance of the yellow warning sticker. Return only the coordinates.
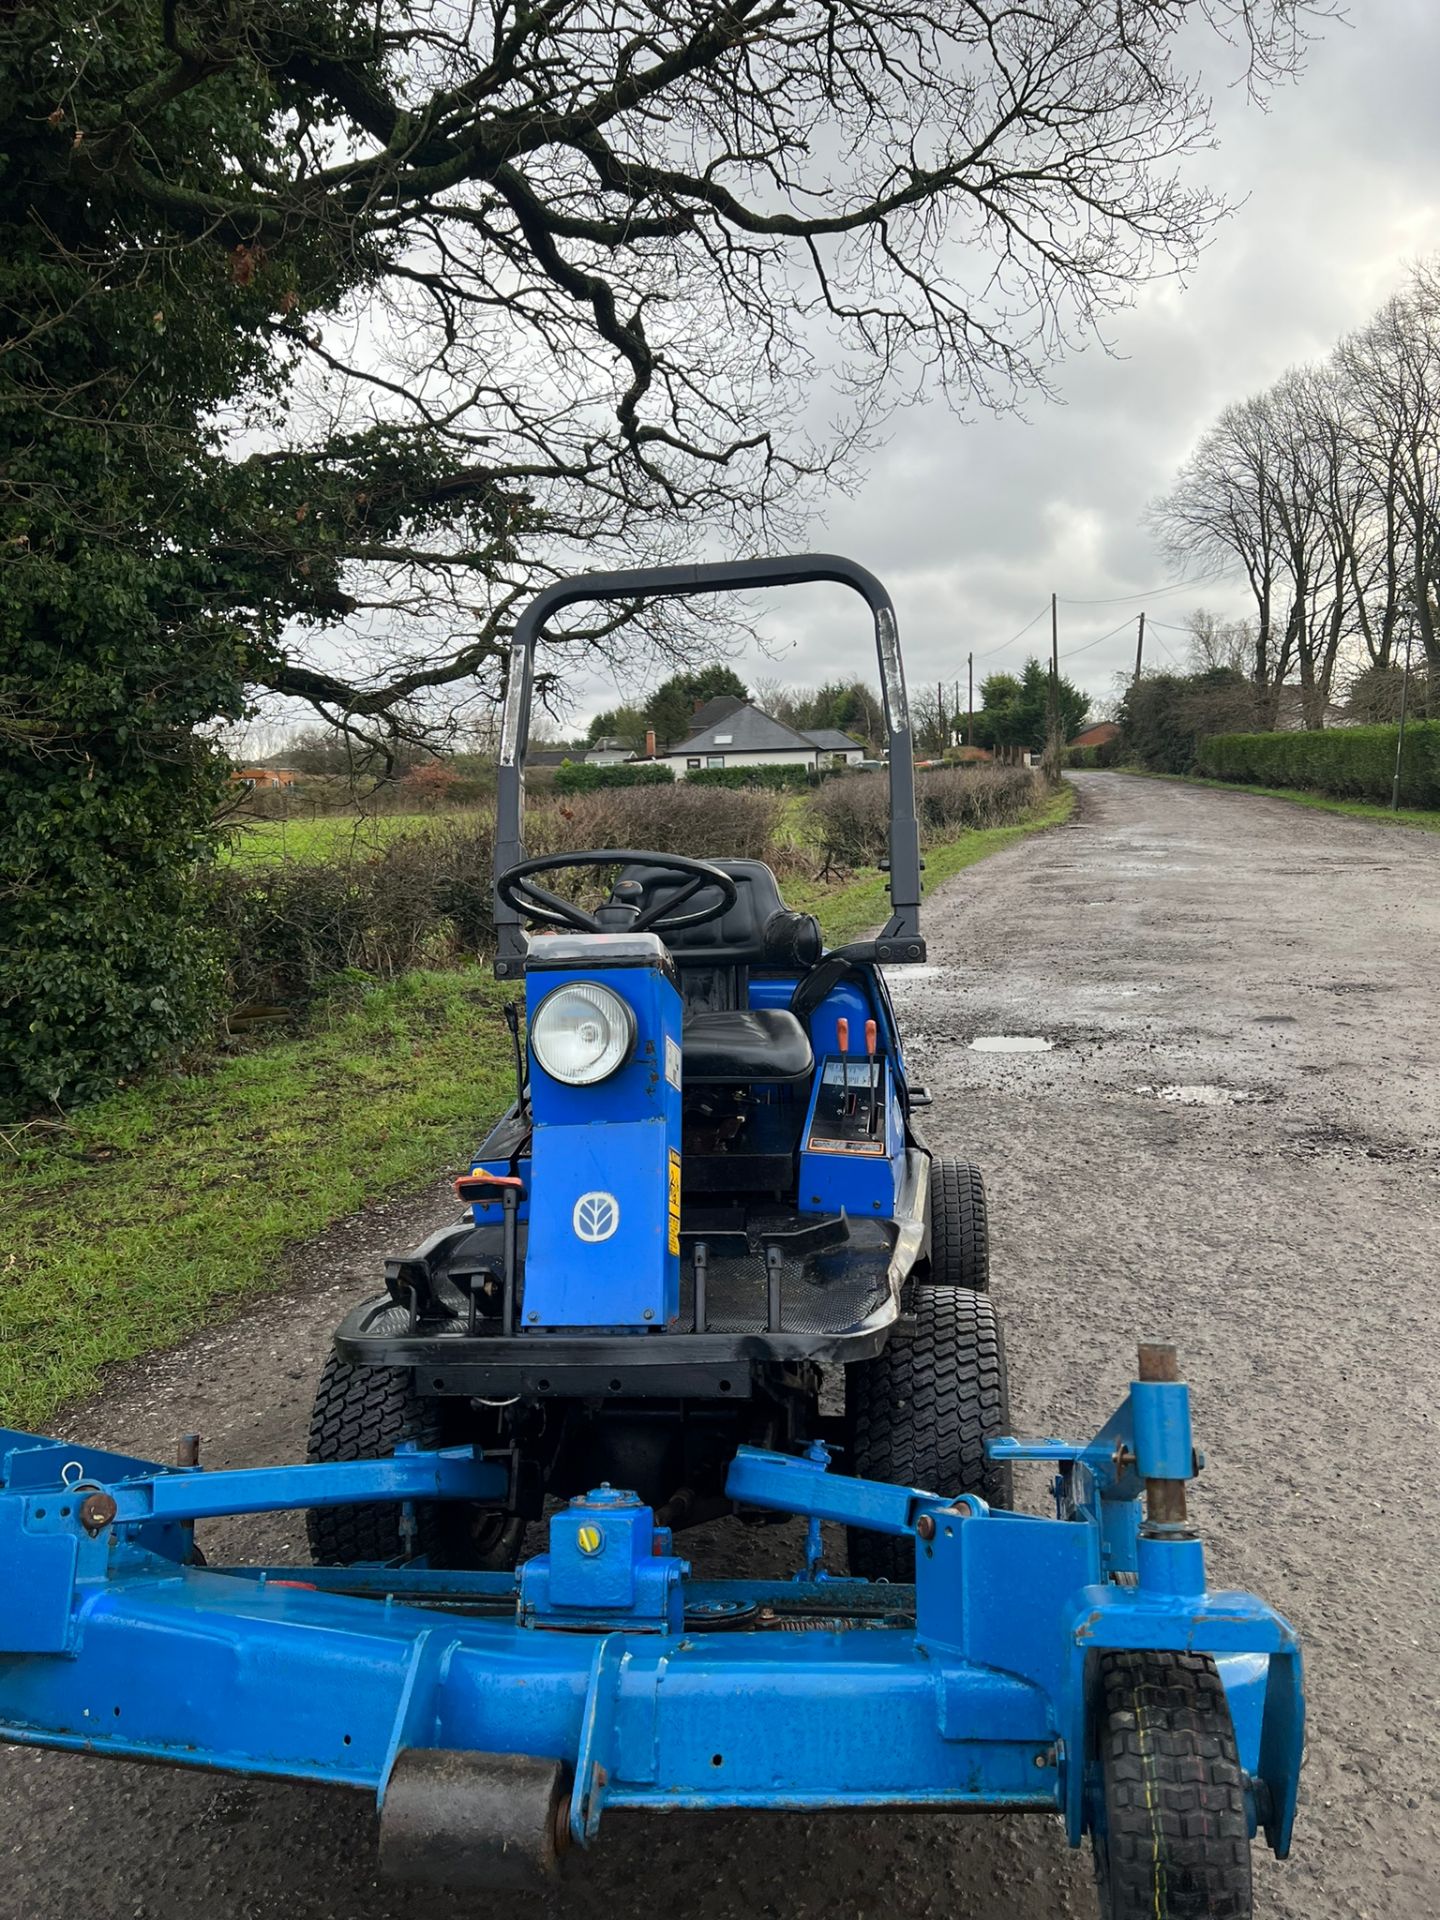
(674, 1201)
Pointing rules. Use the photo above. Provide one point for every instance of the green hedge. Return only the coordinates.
(777, 779)
(582, 776)
(1353, 763)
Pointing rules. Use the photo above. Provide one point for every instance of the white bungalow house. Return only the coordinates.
(742, 736)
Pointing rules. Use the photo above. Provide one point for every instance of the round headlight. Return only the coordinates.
(581, 1033)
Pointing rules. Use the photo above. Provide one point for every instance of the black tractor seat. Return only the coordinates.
(741, 1044)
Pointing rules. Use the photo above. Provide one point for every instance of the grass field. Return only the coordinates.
(166, 1207)
(1427, 819)
(327, 837)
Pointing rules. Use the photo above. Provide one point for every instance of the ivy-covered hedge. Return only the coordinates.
(772, 779)
(1353, 763)
(582, 776)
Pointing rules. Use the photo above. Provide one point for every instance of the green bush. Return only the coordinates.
(771, 779)
(852, 817)
(739, 826)
(581, 776)
(1165, 716)
(1352, 763)
(424, 899)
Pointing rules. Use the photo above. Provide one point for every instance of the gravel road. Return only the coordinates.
(1234, 1143)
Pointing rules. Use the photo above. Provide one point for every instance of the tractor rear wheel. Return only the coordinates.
(920, 1412)
(959, 1226)
(1171, 1835)
(363, 1413)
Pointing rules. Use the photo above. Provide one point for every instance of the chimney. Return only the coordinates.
(695, 705)
(650, 743)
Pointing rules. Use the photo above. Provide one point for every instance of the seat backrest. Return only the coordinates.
(714, 959)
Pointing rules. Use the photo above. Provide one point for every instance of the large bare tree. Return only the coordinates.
(612, 250)
(1324, 494)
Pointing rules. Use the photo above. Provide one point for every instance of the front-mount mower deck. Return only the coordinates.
(710, 1191)
(1075, 1665)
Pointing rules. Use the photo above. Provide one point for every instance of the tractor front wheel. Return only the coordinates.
(1171, 1834)
(920, 1412)
(363, 1413)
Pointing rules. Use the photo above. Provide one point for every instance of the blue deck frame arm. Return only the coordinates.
(973, 1688)
(728, 576)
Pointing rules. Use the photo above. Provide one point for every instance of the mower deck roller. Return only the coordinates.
(494, 1716)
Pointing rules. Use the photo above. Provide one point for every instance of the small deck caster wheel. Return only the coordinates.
(1171, 1836)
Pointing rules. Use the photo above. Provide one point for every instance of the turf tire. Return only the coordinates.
(362, 1413)
(1172, 1838)
(920, 1412)
(959, 1227)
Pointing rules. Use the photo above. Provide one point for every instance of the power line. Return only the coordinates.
(1150, 593)
(1015, 636)
(1070, 652)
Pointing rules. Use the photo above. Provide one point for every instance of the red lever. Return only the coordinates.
(871, 1030)
(842, 1035)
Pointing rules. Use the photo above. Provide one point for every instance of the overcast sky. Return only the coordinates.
(973, 524)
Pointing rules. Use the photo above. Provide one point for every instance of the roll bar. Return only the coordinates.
(726, 576)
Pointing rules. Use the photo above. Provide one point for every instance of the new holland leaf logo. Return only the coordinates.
(596, 1216)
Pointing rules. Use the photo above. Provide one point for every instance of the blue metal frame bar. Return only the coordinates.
(972, 1689)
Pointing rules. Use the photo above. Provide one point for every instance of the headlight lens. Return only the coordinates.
(582, 1033)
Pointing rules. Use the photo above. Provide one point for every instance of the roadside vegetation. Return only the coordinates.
(1347, 763)
(140, 1218)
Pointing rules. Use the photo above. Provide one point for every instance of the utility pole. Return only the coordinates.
(970, 702)
(1400, 735)
(940, 705)
(1052, 749)
(1139, 649)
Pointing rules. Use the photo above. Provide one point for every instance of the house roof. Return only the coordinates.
(831, 740)
(713, 710)
(745, 729)
(1096, 734)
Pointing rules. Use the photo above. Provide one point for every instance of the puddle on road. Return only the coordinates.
(1010, 1043)
(1199, 1096)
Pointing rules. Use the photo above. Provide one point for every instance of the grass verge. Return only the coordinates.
(167, 1207)
(163, 1208)
(1426, 819)
(849, 910)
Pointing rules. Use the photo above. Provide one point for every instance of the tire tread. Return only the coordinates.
(921, 1411)
(1177, 1838)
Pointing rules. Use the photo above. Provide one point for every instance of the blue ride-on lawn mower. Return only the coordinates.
(709, 1199)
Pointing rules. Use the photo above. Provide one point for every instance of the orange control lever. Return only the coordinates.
(481, 1186)
(871, 1030)
(842, 1035)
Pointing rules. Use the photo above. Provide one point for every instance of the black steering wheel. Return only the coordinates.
(516, 888)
